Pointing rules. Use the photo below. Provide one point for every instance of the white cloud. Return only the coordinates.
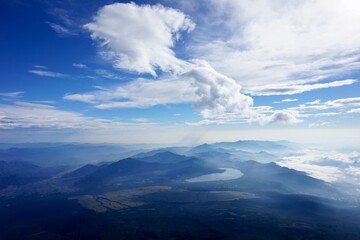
(323, 114)
(47, 73)
(319, 124)
(288, 89)
(11, 94)
(107, 74)
(330, 166)
(228, 120)
(287, 100)
(79, 65)
(211, 93)
(34, 115)
(325, 173)
(250, 48)
(139, 93)
(283, 116)
(140, 38)
(141, 120)
(215, 96)
(317, 101)
(342, 105)
(343, 102)
(40, 66)
(283, 43)
(253, 53)
(353, 171)
(216, 93)
(61, 30)
(262, 115)
(86, 98)
(355, 110)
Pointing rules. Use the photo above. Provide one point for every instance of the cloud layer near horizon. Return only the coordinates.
(34, 115)
(329, 166)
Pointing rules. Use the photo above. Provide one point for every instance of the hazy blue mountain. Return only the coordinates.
(252, 146)
(214, 157)
(264, 157)
(17, 173)
(270, 177)
(30, 145)
(162, 157)
(176, 150)
(128, 172)
(204, 148)
(241, 150)
(65, 154)
(82, 171)
(154, 196)
(172, 169)
(146, 171)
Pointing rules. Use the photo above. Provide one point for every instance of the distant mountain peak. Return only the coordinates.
(164, 157)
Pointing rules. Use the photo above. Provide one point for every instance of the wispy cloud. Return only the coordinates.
(79, 65)
(319, 124)
(11, 94)
(267, 115)
(86, 98)
(139, 93)
(288, 89)
(46, 73)
(61, 30)
(342, 104)
(285, 44)
(40, 66)
(287, 100)
(34, 115)
(141, 120)
(355, 110)
(107, 74)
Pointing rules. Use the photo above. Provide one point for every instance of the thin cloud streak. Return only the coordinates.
(44, 73)
(22, 115)
(280, 42)
(12, 94)
(285, 89)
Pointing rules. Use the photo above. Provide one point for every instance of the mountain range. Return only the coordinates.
(226, 188)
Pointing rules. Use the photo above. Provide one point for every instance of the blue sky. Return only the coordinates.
(179, 71)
